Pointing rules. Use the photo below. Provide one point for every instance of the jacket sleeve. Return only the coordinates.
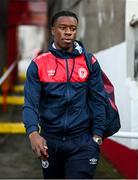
(97, 100)
(32, 90)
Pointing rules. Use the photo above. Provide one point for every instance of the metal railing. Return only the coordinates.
(7, 73)
(6, 84)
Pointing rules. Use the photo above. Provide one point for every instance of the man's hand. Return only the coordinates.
(38, 144)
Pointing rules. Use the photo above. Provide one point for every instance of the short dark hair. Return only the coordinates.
(63, 13)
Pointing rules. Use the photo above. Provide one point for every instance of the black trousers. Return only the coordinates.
(76, 158)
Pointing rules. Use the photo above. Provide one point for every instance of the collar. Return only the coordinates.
(78, 49)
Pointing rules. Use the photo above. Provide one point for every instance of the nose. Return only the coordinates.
(68, 31)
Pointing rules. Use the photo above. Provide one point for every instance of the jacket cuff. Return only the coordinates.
(32, 129)
(98, 132)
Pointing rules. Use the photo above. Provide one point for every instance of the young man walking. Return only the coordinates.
(67, 102)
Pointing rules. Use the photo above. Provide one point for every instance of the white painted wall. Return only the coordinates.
(131, 13)
(31, 40)
(114, 62)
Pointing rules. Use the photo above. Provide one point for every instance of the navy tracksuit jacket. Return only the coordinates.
(62, 97)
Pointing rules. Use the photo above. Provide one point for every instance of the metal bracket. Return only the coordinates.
(134, 21)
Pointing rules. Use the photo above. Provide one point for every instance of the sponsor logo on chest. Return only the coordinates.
(51, 72)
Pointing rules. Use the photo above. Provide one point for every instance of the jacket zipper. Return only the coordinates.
(68, 95)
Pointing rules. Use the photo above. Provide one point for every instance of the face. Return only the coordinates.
(64, 32)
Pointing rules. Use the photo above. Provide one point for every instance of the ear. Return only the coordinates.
(53, 31)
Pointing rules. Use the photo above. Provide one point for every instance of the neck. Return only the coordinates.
(65, 50)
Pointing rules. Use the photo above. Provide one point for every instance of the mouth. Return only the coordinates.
(68, 41)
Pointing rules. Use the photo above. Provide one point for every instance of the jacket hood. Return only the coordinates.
(59, 53)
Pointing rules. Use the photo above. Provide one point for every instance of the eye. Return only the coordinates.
(73, 28)
(62, 27)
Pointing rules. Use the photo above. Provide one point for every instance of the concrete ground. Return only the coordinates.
(17, 161)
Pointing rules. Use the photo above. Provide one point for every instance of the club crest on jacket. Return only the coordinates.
(82, 72)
